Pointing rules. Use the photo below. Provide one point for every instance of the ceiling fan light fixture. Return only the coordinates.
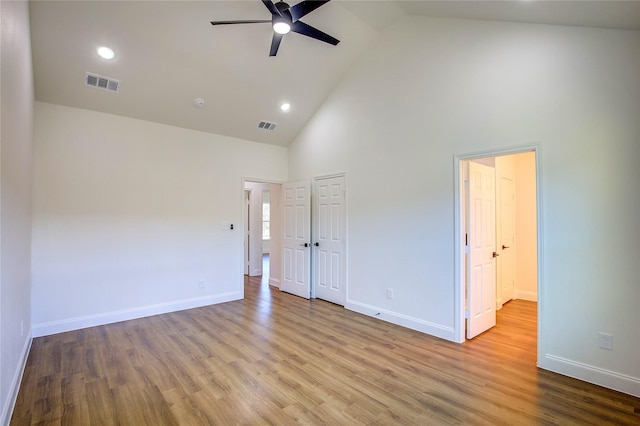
(281, 26)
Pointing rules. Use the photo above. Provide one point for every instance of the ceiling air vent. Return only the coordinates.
(266, 125)
(100, 82)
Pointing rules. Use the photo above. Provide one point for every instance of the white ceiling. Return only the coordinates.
(167, 54)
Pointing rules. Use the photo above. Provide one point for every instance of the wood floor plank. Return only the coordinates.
(47, 403)
(73, 398)
(102, 409)
(274, 358)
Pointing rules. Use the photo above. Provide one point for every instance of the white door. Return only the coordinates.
(296, 242)
(330, 240)
(506, 245)
(482, 265)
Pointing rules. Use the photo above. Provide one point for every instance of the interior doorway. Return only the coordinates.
(508, 266)
(262, 229)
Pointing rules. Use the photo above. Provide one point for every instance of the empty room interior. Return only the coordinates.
(320, 212)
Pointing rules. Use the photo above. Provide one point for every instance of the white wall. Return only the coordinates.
(128, 216)
(430, 89)
(16, 122)
(526, 236)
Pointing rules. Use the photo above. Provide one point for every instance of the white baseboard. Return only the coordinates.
(447, 333)
(274, 282)
(14, 387)
(45, 329)
(589, 373)
(531, 296)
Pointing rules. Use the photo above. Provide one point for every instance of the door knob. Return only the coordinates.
(495, 254)
(317, 244)
(504, 247)
(305, 245)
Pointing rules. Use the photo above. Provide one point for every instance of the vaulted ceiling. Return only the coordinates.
(167, 55)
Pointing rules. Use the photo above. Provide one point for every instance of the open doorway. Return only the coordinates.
(262, 229)
(497, 252)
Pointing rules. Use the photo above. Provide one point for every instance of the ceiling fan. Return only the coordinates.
(285, 18)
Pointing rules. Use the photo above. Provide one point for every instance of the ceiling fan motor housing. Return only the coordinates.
(283, 8)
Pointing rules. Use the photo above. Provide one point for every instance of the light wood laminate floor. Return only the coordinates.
(273, 358)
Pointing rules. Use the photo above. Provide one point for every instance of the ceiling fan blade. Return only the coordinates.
(272, 7)
(275, 43)
(305, 7)
(307, 30)
(262, 21)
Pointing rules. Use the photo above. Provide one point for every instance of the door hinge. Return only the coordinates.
(466, 239)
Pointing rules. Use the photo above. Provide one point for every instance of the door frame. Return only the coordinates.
(246, 240)
(459, 236)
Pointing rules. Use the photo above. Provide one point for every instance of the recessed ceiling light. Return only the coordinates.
(105, 53)
(285, 106)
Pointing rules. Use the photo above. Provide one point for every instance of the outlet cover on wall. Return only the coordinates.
(605, 340)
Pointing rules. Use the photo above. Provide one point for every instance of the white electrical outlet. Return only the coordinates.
(605, 340)
(389, 293)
